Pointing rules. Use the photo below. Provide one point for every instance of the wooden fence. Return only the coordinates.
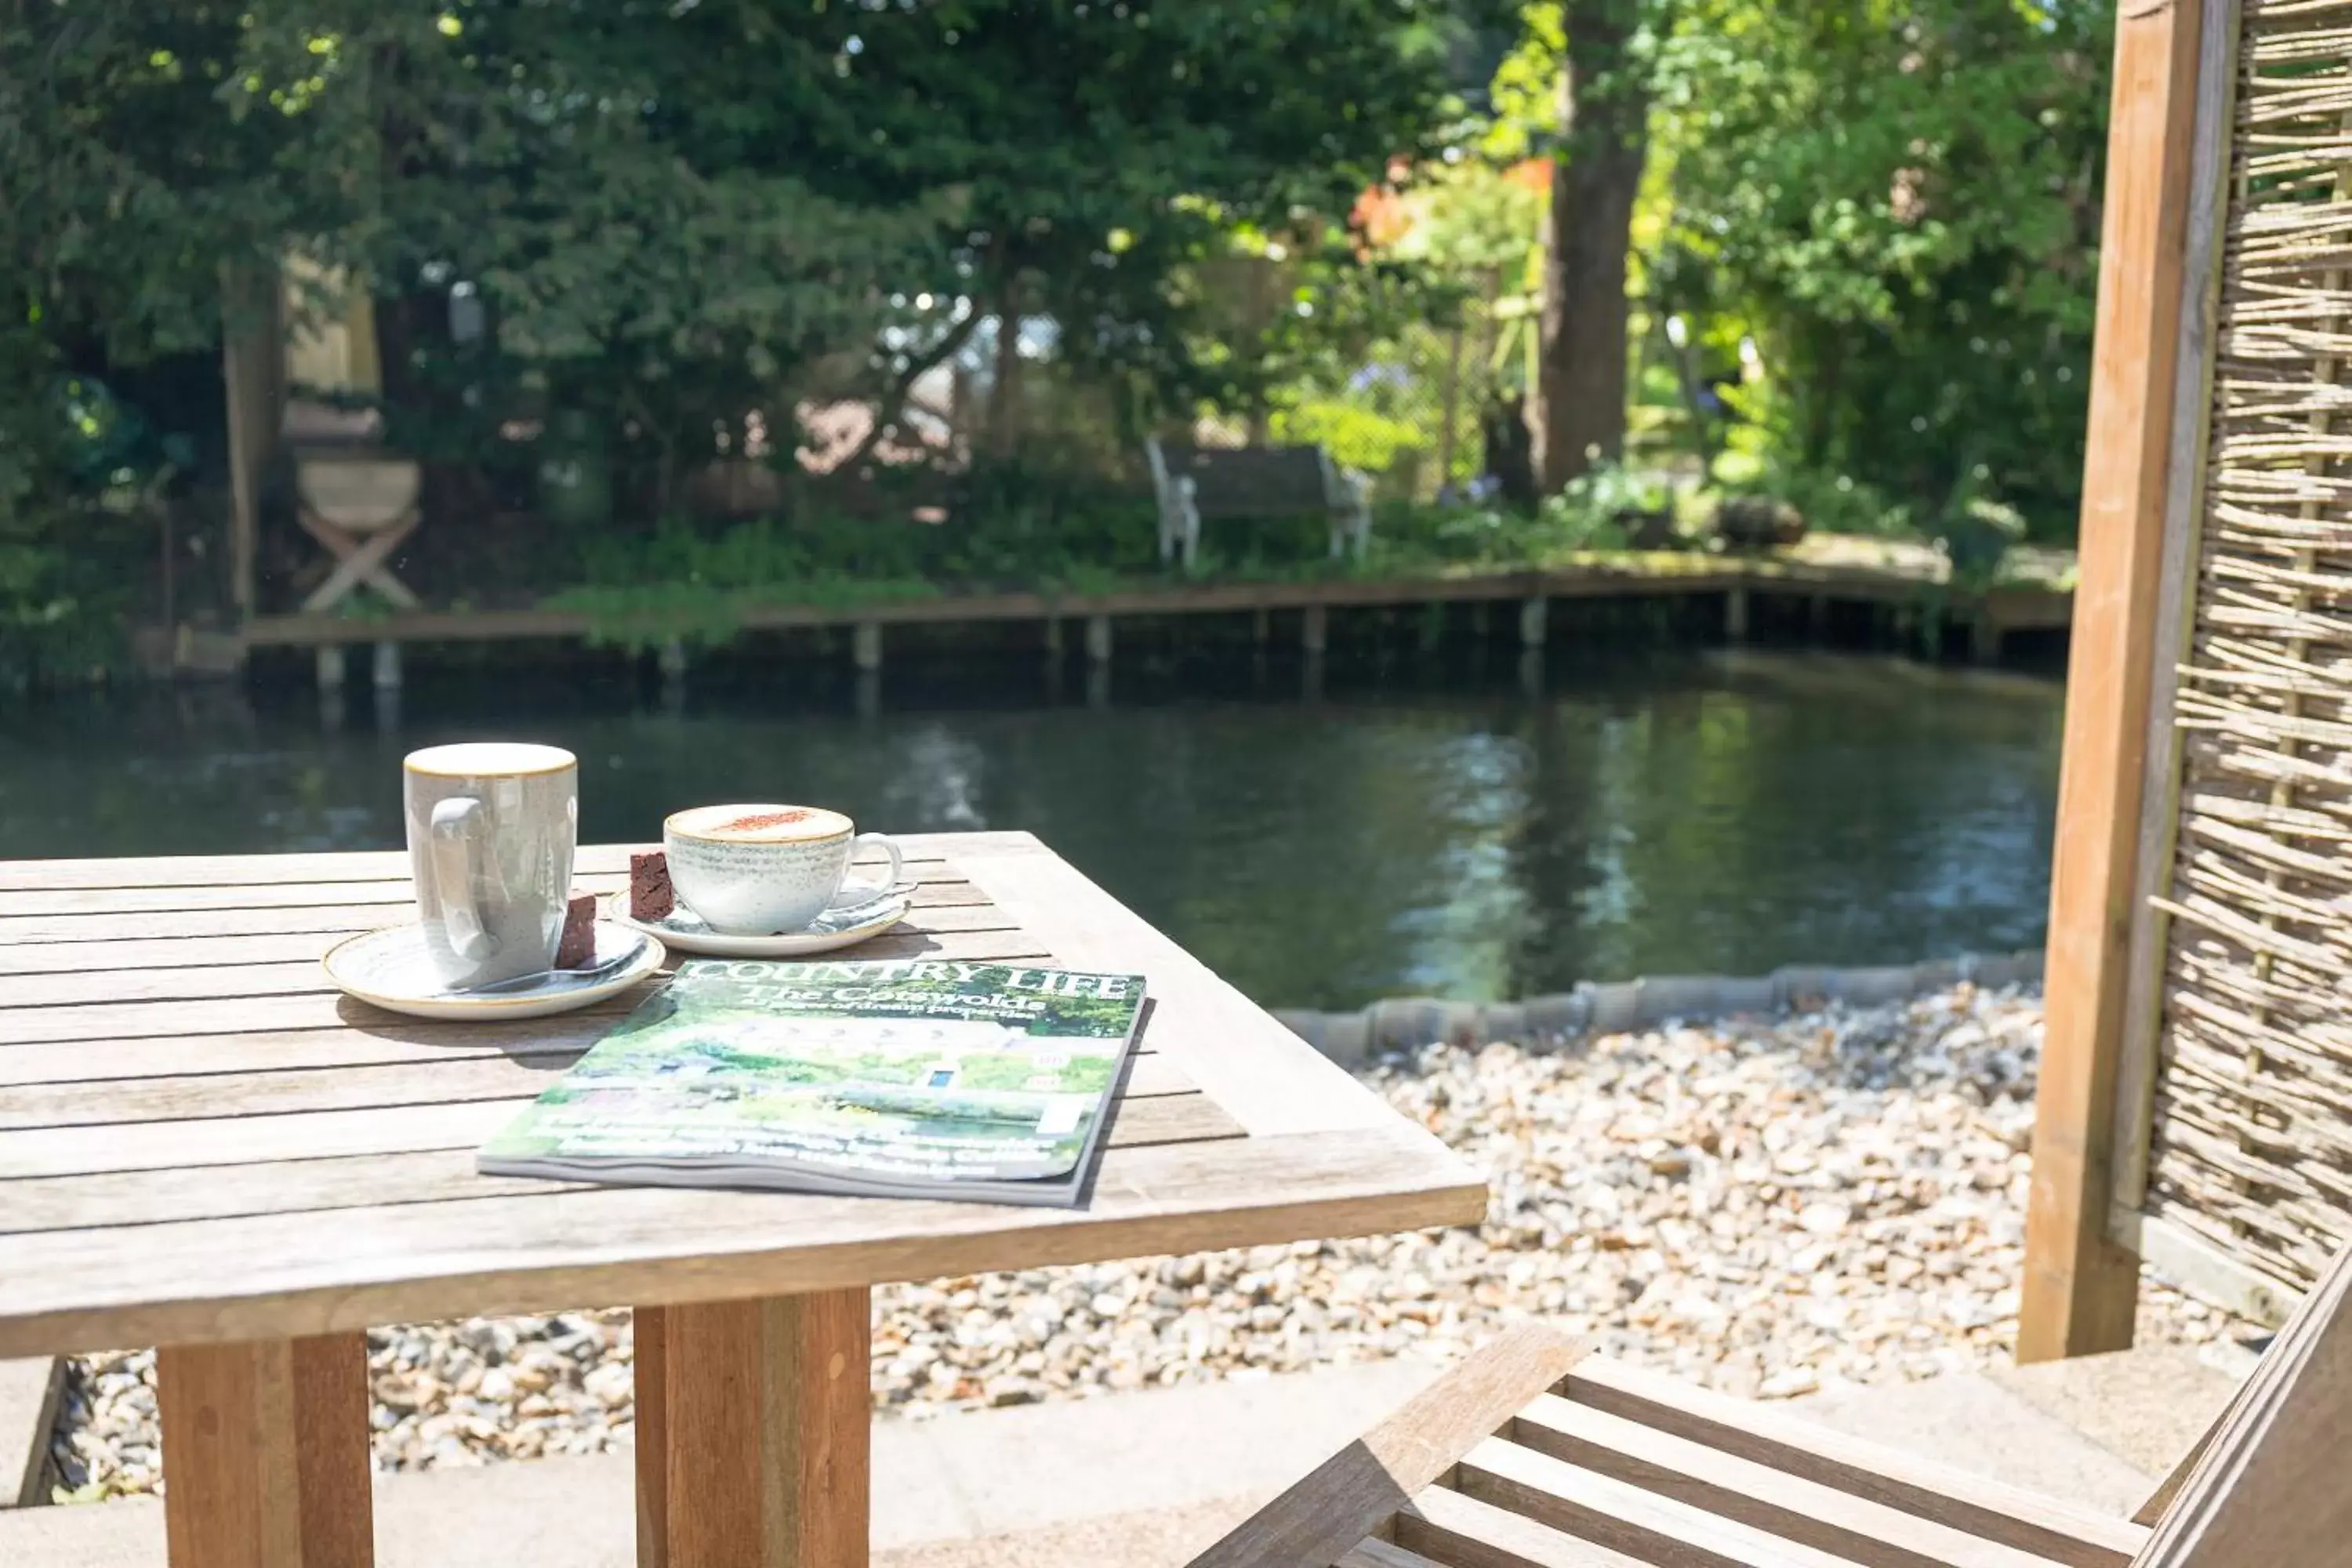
(2196, 1102)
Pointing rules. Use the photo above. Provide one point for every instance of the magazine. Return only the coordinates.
(913, 1077)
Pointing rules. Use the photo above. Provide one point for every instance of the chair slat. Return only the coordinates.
(1347, 1496)
(2270, 1490)
(1462, 1532)
(1646, 1526)
(1773, 1501)
(2041, 1526)
(1374, 1552)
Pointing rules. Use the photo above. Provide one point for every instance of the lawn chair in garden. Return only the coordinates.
(1532, 1455)
(1193, 484)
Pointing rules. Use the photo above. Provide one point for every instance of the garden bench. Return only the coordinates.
(1532, 1454)
(1193, 484)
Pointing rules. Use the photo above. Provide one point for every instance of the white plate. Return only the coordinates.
(845, 925)
(389, 968)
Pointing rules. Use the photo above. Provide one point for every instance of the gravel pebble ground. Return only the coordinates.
(1764, 1206)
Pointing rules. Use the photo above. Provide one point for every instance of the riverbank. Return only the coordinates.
(1880, 593)
(1766, 1205)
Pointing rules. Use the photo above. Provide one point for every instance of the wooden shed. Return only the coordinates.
(2196, 1099)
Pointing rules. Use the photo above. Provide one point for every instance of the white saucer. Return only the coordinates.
(843, 925)
(389, 968)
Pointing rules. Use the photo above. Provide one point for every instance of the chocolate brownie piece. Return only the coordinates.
(578, 948)
(650, 897)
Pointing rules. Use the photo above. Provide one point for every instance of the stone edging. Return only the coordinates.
(1406, 1023)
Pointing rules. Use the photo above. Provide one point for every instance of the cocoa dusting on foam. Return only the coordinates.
(759, 822)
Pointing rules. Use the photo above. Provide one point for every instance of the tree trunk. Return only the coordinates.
(1005, 397)
(1579, 413)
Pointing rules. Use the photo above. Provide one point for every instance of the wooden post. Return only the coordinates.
(753, 1433)
(266, 1448)
(1098, 643)
(2080, 1287)
(1314, 629)
(253, 364)
(1534, 622)
(865, 644)
(1984, 635)
(1735, 614)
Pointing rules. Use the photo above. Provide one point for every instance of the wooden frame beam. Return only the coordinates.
(2081, 1287)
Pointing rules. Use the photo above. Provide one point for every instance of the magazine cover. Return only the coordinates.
(906, 1078)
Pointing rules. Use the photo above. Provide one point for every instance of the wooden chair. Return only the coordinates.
(1532, 1454)
(1196, 483)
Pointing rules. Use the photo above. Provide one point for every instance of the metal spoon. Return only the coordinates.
(597, 971)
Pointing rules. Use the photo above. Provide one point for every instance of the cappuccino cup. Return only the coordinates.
(759, 870)
(491, 827)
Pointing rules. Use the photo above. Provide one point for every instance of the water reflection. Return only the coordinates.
(1476, 835)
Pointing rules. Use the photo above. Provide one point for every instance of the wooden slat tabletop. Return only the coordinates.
(201, 1140)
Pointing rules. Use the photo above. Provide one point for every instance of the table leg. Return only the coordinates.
(266, 1453)
(752, 1433)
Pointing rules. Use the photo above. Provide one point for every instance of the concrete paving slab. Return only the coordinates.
(1967, 1420)
(1164, 1538)
(417, 1531)
(1150, 1478)
(1034, 1466)
(29, 1389)
(1026, 1486)
(2145, 1405)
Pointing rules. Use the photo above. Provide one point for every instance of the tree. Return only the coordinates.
(1099, 152)
(1579, 416)
(1896, 201)
(119, 213)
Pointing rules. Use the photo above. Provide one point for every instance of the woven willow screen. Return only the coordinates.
(2250, 1142)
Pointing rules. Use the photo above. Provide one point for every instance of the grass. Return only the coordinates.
(689, 585)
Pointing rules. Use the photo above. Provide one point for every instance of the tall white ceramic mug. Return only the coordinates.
(756, 870)
(491, 829)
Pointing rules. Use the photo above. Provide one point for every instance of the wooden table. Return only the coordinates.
(204, 1148)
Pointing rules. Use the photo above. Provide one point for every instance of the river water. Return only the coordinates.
(1474, 833)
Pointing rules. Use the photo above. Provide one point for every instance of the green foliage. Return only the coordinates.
(1357, 438)
(1013, 528)
(1829, 502)
(671, 218)
(1589, 515)
(1606, 493)
(118, 218)
(681, 223)
(1977, 536)
(1897, 201)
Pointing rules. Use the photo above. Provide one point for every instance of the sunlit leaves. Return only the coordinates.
(1898, 198)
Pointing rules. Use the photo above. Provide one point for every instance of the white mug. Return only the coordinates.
(758, 870)
(491, 827)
